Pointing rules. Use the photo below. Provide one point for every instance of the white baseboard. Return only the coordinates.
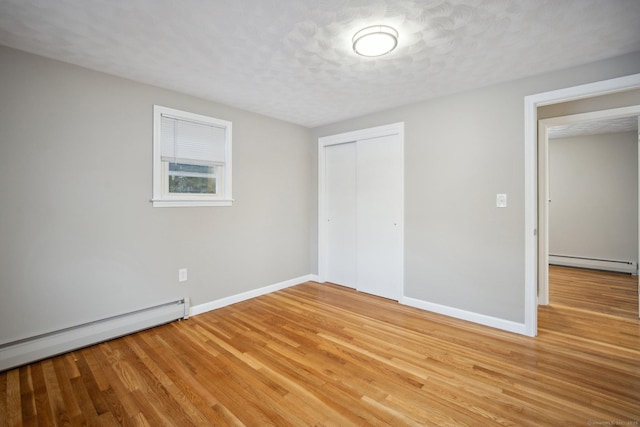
(494, 322)
(594, 264)
(481, 319)
(222, 302)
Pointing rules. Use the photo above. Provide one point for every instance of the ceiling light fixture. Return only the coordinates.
(376, 40)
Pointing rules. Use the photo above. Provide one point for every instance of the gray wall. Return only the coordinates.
(593, 187)
(460, 151)
(79, 239)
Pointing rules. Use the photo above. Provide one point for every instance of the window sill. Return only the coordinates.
(164, 203)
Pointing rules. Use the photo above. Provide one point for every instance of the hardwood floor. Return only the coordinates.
(604, 292)
(329, 356)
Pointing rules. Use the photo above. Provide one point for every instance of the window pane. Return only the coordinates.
(193, 179)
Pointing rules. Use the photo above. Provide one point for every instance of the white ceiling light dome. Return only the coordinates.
(376, 40)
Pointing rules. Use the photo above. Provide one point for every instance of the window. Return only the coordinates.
(191, 159)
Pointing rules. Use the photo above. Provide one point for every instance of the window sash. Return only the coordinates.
(217, 175)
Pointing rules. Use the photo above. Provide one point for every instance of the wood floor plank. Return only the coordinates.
(68, 403)
(54, 393)
(27, 397)
(44, 415)
(4, 405)
(321, 354)
(12, 407)
(89, 416)
(90, 382)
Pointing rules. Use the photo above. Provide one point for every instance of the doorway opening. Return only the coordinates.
(588, 202)
(601, 147)
(532, 156)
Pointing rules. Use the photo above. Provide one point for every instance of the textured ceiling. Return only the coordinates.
(292, 59)
(623, 124)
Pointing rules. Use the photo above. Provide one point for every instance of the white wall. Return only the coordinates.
(593, 186)
(79, 239)
(460, 151)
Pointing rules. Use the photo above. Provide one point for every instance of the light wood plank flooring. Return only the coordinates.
(329, 356)
(604, 292)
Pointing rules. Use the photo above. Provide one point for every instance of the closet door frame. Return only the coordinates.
(342, 138)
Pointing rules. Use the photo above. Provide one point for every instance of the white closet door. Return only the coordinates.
(379, 219)
(340, 172)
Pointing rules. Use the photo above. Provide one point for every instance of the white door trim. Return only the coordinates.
(531, 103)
(343, 138)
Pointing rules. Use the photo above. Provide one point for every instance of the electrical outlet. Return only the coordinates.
(182, 275)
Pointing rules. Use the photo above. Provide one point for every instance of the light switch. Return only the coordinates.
(182, 275)
(501, 201)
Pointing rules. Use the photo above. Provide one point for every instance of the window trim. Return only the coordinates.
(161, 196)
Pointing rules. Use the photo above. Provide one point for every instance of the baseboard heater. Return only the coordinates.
(594, 263)
(21, 352)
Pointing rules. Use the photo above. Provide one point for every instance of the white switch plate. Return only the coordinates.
(182, 275)
(501, 200)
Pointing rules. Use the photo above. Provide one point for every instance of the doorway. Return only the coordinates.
(531, 104)
(626, 119)
(589, 197)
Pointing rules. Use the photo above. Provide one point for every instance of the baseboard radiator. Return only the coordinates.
(594, 263)
(39, 347)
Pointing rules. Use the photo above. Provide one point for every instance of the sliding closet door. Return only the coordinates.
(361, 175)
(340, 199)
(379, 227)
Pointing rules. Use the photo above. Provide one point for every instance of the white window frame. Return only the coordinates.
(161, 196)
